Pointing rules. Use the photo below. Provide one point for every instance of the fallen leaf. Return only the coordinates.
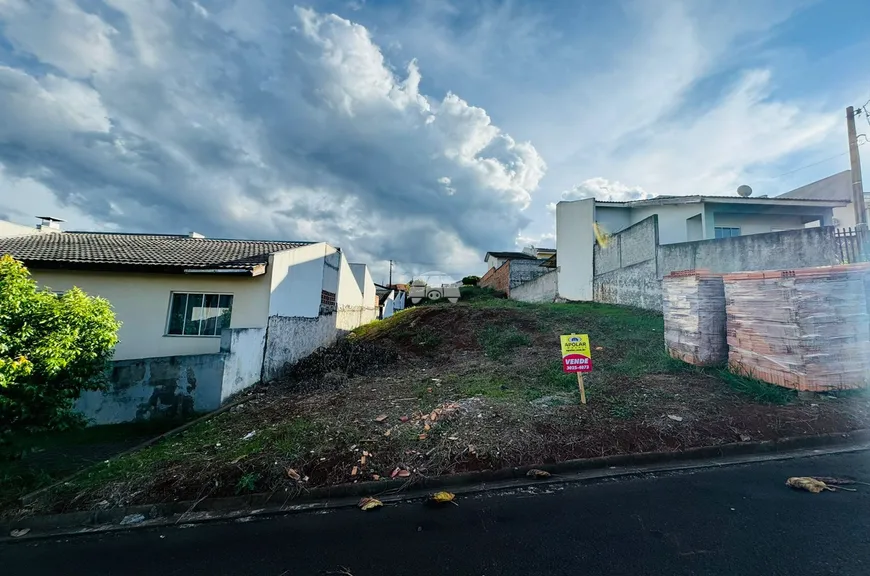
(428, 390)
(395, 472)
(388, 432)
(239, 459)
(442, 497)
(453, 437)
(362, 460)
(381, 418)
(675, 418)
(599, 347)
(536, 473)
(422, 437)
(808, 484)
(249, 435)
(354, 471)
(293, 474)
(433, 416)
(745, 437)
(404, 473)
(366, 453)
(369, 503)
(403, 419)
(427, 427)
(375, 477)
(19, 533)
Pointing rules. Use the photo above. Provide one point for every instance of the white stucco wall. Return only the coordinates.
(672, 220)
(349, 293)
(243, 362)
(757, 223)
(541, 289)
(296, 277)
(141, 302)
(574, 242)
(8, 229)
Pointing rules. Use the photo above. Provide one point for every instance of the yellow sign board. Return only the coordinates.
(576, 353)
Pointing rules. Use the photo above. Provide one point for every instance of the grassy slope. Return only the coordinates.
(496, 358)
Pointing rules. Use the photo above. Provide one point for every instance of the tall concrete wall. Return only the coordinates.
(629, 269)
(575, 239)
(541, 289)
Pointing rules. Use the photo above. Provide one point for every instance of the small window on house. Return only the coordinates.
(327, 302)
(195, 314)
(726, 232)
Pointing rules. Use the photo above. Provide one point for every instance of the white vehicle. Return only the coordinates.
(420, 290)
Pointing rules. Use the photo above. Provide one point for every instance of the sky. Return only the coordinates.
(426, 132)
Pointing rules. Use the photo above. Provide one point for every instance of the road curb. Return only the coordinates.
(343, 495)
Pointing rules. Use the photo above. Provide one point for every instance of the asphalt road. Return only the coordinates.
(735, 520)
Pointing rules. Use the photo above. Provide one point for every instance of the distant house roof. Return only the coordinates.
(143, 252)
(836, 187)
(759, 200)
(508, 256)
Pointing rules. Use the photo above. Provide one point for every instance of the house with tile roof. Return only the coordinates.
(186, 299)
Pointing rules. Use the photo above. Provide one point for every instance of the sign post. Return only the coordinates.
(577, 357)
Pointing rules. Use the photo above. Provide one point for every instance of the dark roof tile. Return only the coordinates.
(149, 252)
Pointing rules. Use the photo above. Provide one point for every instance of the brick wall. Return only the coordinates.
(498, 278)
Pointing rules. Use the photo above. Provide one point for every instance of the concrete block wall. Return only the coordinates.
(630, 268)
(522, 271)
(542, 289)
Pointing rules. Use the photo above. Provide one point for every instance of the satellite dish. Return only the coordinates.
(744, 190)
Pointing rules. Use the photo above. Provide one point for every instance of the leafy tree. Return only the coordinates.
(470, 280)
(51, 349)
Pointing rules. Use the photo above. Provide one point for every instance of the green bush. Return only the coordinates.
(52, 347)
(470, 280)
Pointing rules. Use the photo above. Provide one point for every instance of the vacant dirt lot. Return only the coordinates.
(444, 389)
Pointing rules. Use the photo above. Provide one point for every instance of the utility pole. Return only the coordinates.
(391, 271)
(855, 164)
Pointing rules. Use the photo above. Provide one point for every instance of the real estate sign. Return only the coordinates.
(576, 355)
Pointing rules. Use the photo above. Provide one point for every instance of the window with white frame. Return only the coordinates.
(199, 314)
(722, 232)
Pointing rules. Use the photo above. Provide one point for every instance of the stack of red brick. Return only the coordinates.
(805, 329)
(694, 311)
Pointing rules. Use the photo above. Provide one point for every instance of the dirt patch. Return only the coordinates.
(445, 389)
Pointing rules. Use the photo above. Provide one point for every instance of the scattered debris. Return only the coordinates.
(745, 437)
(404, 419)
(536, 473)
(362, 460)
(453, 437)
(354, 471)
(442, 498)
(376, 477)
(675, 418)
(395, 472)
(381, 418)
(293, 474)
(132, 519)
(367, 503)
(404, 473)
(19, 533)
(249, 435)
(422, 436)
(388, 432)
